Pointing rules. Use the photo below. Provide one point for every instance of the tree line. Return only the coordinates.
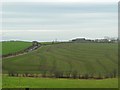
(69, 74)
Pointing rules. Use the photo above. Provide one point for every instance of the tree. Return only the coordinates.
(44, 73)
(68, 74)
(74, 74)
(86, 76)
(79, 76)
(99, 76)
(58, 74)
(114, 73)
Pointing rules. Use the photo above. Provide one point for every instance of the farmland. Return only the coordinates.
(63, 65)
(95, 59)
(10, 47)
(22, 82)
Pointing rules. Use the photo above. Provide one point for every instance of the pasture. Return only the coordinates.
(10, 47)
(26, 82)
(66, 59)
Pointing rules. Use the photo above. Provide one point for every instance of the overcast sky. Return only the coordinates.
(61, 20)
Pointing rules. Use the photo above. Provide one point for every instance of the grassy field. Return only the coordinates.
(83, 58)
(22, 82)
(9, 47)
(80, 58)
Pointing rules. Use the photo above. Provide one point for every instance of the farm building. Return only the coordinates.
(79, 40)
(34, 46)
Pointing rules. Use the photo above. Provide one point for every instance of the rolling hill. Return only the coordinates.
(97, 59)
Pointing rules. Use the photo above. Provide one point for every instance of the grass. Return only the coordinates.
(23, 82)
(9, 47)
(91, 58)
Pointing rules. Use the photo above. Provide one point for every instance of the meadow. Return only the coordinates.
(10, 47)
(66, 59)
(27, 82)
(63, 65)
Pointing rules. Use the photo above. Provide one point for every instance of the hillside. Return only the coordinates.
(9, 47)
(96, 59)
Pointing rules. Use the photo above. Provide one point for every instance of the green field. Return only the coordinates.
(82, 58)
(9, 47)
(22, 82)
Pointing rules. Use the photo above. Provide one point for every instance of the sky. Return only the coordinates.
(58, 19)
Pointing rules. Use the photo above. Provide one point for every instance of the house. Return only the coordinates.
(79, 40)
(102, 40)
